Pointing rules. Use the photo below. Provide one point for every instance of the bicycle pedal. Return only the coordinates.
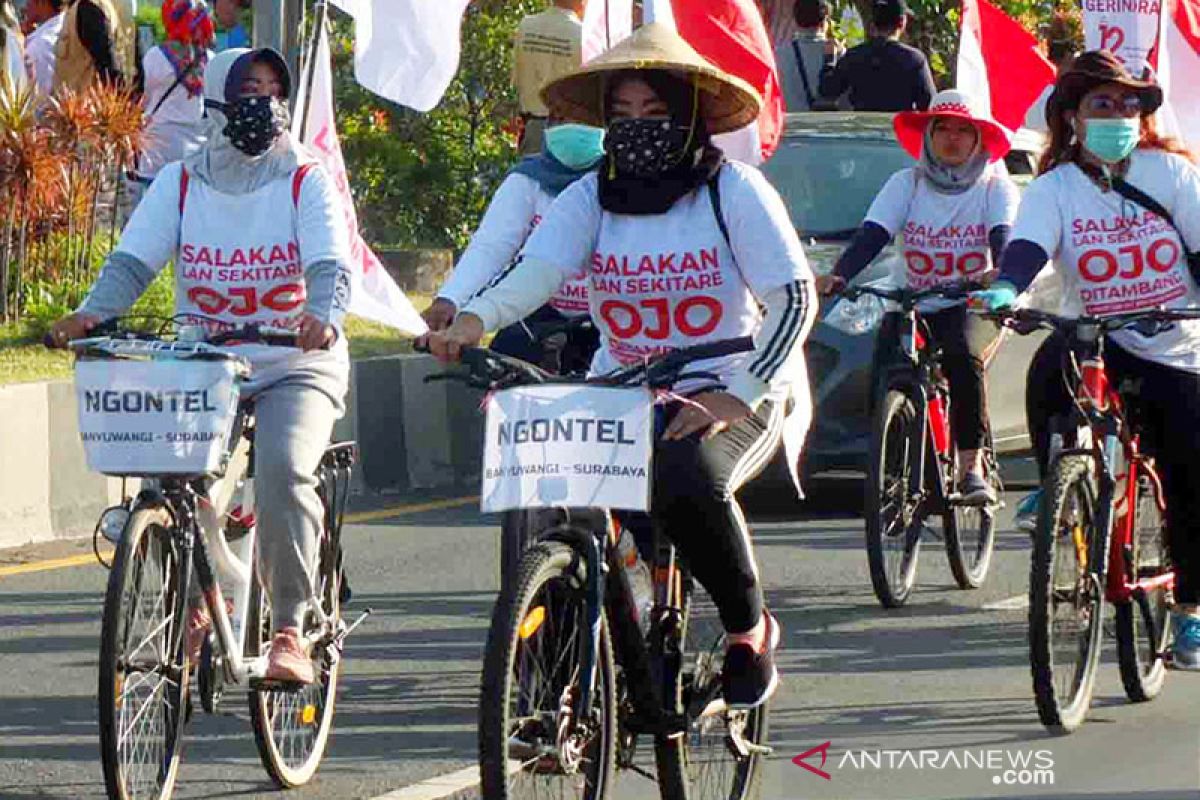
(339, 641)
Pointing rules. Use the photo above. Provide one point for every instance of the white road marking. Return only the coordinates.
(1014, 603)
(437, 787)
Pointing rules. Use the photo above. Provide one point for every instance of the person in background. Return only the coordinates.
(12, 46)
(881, 74)
(96, 43)
(570, 151)
(46, 17)
(1060, 49)
(173, 99)
(230, 30)
(800, 58)
(547, 45)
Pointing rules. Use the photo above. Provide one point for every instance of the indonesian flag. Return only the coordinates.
(605, 23)
(374, 294)
(994, 46)
(732, 35)
(1179, 70)
(406, 50)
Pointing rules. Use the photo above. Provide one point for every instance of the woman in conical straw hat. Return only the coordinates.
(684, 248)
(954, 213)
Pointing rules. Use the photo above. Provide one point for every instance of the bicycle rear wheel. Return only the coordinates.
(533, 739)
(143, 660)
(971, 537)
(1142, 624)
(292, 724)
(1066, 602)
(698, 764)
(892, 517)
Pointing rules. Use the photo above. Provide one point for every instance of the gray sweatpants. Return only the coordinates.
(295, 407)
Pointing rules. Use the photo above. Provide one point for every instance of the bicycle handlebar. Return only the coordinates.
(908, 298)
(1148, 323)
(244, 334)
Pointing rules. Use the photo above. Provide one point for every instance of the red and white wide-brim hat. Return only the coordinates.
(911, 125)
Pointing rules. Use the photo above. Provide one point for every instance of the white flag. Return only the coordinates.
(605, 23)
(374, 294)
(406, 50)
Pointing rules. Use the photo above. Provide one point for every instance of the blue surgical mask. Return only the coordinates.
(1112, 140)
(576, 146)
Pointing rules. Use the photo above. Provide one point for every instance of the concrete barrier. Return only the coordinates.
(413, 436)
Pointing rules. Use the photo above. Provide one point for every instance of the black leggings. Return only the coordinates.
(694, 486)
(964, 338)
(1164, 404)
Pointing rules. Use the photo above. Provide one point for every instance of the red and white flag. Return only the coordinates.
(374, 295)
(732, 35)
(1179, 71)
(999, 64)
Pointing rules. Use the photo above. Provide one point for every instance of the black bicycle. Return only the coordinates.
(912, 461)
(173, 530)
(572, 681)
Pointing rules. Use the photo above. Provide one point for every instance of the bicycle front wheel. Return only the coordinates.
(1066, 602)
(892, 515)
(699, 763)
(1143, 624)
(534, 738)
(143, 660)
(292, 725)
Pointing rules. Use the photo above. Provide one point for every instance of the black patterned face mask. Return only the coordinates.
(645, 147)
(255, 123)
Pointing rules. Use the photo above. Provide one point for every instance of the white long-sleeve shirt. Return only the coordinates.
(516, 209)
(665, 281)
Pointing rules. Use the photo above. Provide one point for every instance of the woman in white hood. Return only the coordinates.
(257, 236)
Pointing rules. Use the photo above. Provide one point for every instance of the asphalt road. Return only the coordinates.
(946, 676)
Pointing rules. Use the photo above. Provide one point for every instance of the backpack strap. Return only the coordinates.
(298, 180)
(184, 180)
(808, 92)
(714, 197)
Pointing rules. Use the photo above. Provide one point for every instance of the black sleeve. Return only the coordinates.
(997, 240)
(1021, 263)
(93, 34)
(867, 243)
(833, 77)
(925, 89)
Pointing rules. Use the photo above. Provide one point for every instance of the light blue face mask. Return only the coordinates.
(1112, 140)
(576, 146)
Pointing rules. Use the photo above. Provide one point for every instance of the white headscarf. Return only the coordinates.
(221, 165)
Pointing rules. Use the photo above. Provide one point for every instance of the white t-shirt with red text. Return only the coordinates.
(945, 236)
(516, 209)
(239, 259)
(1115, 256)
(658, 283)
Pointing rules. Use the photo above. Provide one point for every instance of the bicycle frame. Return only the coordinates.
(1102, 411)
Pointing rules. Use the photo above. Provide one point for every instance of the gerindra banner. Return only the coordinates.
(568, 446)
(1127, 28)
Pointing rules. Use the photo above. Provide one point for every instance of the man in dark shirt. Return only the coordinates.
(881, 74)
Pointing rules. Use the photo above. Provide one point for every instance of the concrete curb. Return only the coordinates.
(413, 437)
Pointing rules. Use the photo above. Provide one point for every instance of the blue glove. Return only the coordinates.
(1000, 294)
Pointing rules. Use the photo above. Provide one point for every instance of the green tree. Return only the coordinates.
(425, 179)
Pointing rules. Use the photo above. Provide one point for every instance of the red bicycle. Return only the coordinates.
(1100, 529)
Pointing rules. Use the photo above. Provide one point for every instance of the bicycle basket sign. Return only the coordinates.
(568, 446)
(161, 417)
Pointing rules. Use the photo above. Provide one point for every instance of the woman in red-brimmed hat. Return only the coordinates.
(953, 213)
(1091, 211)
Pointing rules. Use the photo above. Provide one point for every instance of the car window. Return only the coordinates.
(828, 183)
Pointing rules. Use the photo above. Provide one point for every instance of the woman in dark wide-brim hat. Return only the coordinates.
(684, 247)
(1117, 254)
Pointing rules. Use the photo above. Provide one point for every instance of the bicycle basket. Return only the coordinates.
(166, 412)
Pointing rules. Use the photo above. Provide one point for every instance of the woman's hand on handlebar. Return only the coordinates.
(828, 285)
(999, 295)
(711, 412)
(72, 326)
(315, 333)
(440, 314)
(447, 346)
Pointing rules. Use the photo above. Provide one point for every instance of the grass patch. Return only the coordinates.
(24, 359)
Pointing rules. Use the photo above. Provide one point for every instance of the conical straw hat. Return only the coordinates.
(726, 102)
